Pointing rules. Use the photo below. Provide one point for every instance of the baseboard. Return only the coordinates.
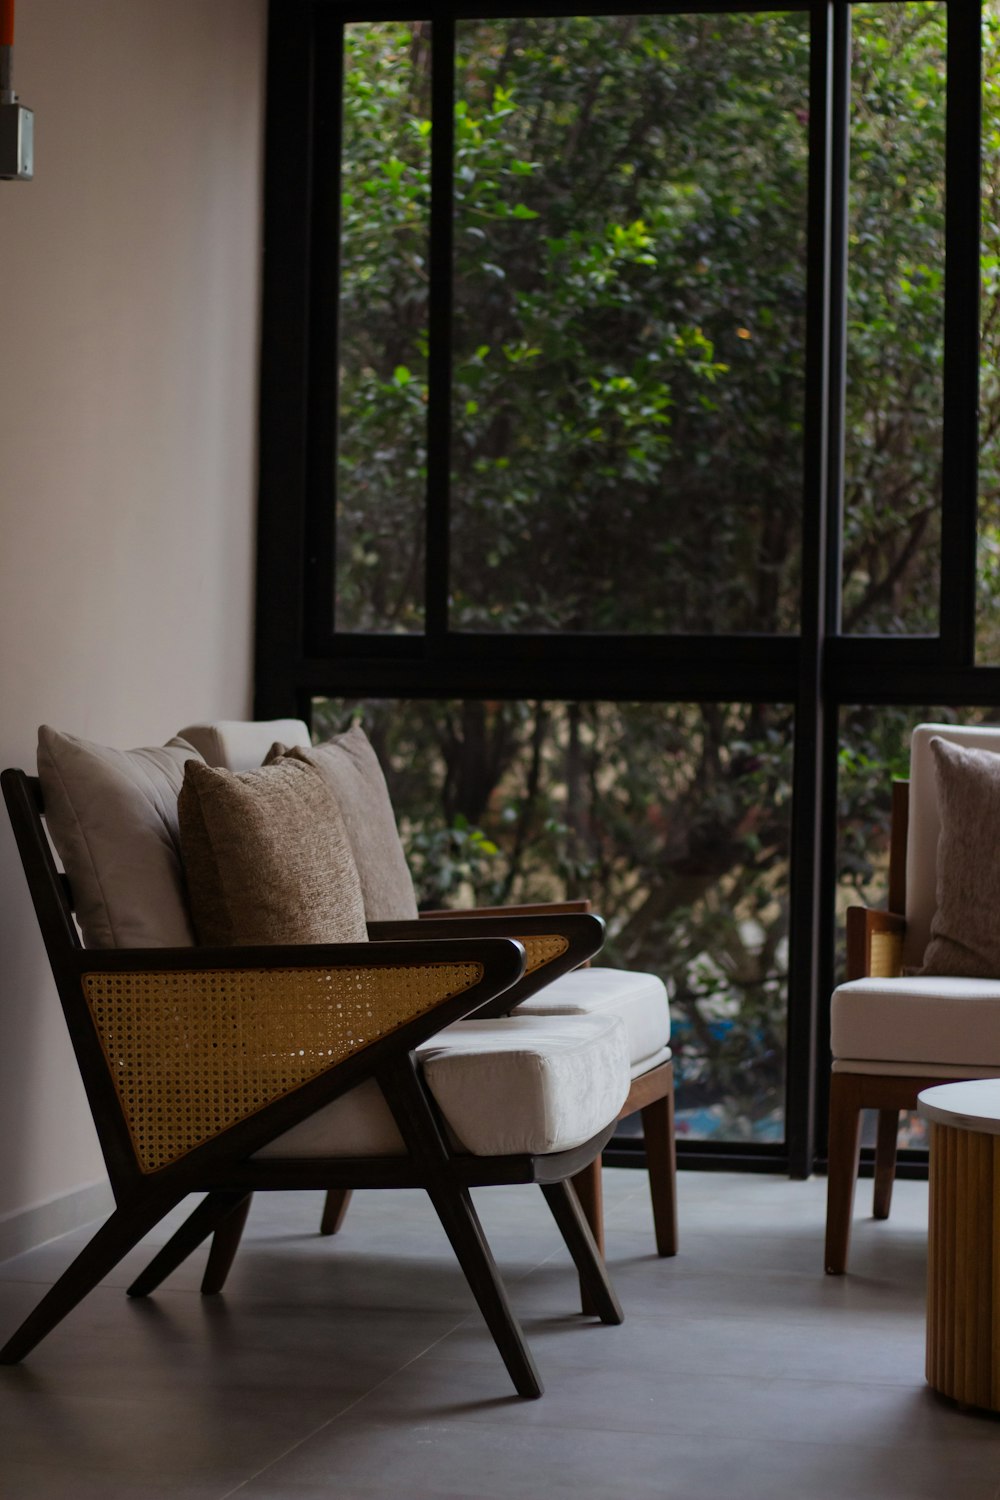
(27, 1228)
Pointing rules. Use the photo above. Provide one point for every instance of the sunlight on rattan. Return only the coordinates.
(886, 955)
(542, 950)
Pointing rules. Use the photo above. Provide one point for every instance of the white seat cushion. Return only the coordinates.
(640, 1000)
(516, 1085)
(930, 1024)
(241, 744)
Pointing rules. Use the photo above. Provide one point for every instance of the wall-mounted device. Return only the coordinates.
(17, 124)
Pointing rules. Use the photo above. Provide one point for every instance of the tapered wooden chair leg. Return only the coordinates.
(589, 1188)
(461, 1224)
(661, 1161)
(334, 1209)
(225, 1243)
(575, 1230)
(885, 1161)
(210, 1213)
(842, 1169)
(110, 1244)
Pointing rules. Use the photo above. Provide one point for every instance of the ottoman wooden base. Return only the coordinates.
(963, 1295)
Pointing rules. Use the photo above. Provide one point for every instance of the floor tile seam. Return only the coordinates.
(985, 1433)
(337, 1416)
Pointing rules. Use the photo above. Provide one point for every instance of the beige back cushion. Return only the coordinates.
(965, 931)
(267, 858)
(242, 744)
(350, 768)
(924, 828)
(112, 816)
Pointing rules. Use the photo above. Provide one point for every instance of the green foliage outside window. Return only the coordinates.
(628, 394)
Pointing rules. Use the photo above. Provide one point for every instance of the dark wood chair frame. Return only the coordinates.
(225, 1167)
(652, 1092)
(851, 1093)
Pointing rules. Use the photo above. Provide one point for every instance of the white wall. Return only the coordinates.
(129, 286)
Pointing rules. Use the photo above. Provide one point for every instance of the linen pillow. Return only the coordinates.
(350, 768)
(267, 858)
(112, 816)
(965, 930)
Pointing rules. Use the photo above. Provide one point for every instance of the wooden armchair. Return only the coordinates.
(203, 1068)
(559, 939)
(894, 1031)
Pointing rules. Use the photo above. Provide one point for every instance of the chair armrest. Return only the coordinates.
(532, 909)
(201, 1043)
(874, 943)
(554, 943)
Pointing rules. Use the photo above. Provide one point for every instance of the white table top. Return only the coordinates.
(972, 1105)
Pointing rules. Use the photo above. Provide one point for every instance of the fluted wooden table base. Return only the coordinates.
(963, 1276)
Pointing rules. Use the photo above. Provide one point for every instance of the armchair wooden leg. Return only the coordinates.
(461, 1224)
(589, 1188)
(334, 1209)
(842, 1169)
(210, 1214)
(225, 1243)
(110, 1244)
(575, 1230)
(885, 1161)
(661, 1160)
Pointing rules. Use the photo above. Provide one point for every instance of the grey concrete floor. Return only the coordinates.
(358, 1368)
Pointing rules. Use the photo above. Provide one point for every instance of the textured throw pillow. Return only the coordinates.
(112, 816)
(350, 768)
(267, 858)
(965, 930)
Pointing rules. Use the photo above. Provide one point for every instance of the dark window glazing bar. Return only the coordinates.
(415, 10)
(961, 332)
(439, 323)
(837, 207)
(285, 323)
(324, 365)
(824, 936)
(806, 844)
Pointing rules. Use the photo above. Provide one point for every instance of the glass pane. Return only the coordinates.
(988, 622)
(382, 413)
(630, 254)
(672, 819)
(895, 310)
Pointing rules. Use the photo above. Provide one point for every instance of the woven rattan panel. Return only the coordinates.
(886, 956)
(193, 1051)
(542, 950)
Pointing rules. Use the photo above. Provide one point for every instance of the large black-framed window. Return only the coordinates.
(818, 665)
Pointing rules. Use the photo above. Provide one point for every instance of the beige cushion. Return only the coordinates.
(926, 1024)
(242, 744)
(267, 858)
(924, 827)
(517, 1085)
(640, 1000)
(351, 769)
(112, 816)
(965, 928)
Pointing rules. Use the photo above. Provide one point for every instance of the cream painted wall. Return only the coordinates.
(129, 287)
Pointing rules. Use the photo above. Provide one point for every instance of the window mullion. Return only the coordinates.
(959, 497)
(440, 326)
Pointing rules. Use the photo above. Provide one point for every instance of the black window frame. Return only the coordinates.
(299, 656)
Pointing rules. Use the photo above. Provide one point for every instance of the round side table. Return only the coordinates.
(963, 1273)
